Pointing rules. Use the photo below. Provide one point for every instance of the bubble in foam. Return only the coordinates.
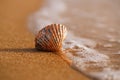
(108, 45)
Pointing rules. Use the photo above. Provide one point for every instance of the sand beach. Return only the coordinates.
(18, 58)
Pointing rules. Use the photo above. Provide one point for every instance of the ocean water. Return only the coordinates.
(93, 41)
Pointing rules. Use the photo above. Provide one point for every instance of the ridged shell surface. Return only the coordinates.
(51, 37)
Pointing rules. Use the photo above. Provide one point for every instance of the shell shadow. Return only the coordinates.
(17, 50)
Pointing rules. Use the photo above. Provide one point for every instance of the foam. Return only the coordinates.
(83, 57)
(110, 74)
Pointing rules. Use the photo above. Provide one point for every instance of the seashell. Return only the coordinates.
(51, 37)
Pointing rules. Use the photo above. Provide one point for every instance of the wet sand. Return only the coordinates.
(18, 58)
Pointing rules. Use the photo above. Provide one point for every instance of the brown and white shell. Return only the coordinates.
(51, 37)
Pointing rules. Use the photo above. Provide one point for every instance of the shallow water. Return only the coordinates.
(93, 40)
